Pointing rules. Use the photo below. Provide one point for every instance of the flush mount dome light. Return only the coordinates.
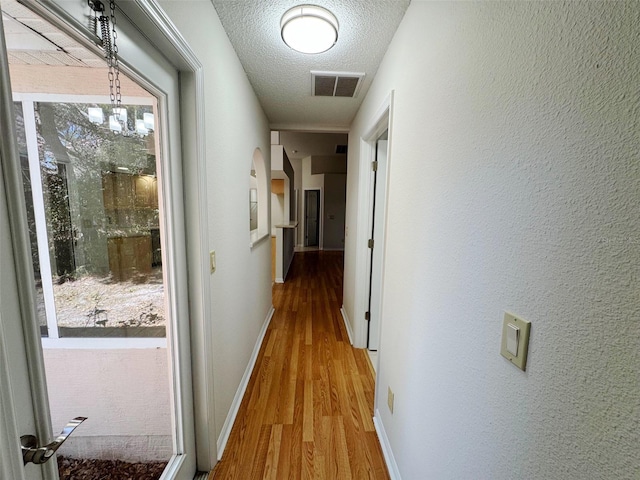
(309, 29)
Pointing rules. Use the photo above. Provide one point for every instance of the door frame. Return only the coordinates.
(20, 247)
(382, 120)
(148, 17)
(378, 213)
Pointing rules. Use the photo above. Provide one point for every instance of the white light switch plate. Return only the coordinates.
(515, 340)
(512, 339)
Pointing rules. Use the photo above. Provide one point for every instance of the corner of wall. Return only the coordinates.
(347, 324)
(387, 452)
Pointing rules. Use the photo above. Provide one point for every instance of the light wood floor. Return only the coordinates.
(308, 407)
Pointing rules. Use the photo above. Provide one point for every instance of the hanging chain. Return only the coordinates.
(110, 47)
(114, 70)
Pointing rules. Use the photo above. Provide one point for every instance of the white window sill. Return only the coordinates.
(257, 236)
(97, 343)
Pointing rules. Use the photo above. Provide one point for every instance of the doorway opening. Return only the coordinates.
(312, 218)
(378, 204)
(372, 213)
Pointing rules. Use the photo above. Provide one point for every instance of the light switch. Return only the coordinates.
(512, 339)
(515, 340)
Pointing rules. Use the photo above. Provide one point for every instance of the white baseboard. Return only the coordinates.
(237, 400)
(389, 459)
(279, 280)
(347, 325)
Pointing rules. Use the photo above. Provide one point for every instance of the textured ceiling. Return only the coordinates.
(281, 77)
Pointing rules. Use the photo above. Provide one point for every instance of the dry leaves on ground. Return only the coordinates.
(84, 469)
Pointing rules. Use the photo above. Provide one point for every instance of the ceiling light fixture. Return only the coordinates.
(309, 29)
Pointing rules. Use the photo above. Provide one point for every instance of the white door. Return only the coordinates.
(24, 407)
(377, 234)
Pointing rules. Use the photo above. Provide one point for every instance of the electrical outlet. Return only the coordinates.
(390, 400)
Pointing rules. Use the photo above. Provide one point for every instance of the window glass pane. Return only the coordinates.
(100, 192)
(31, 221)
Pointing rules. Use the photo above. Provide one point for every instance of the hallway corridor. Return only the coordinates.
(307, 412)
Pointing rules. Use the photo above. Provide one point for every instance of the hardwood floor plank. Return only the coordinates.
(270, 343)
(285, 460)
(273, 453)
(340, 466)
(364, 406)
(307, 419)
(307, 461)
(307, 410)
(260, 459)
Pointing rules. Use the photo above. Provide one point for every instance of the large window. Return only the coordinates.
(99, 262)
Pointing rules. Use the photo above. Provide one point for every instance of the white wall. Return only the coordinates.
(235, 126)
(514, 185)
(309, 180)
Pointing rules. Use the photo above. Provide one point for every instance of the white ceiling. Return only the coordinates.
(281, 77)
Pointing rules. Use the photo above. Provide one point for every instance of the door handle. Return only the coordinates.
(32, 453)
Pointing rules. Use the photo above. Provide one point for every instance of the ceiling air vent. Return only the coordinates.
(335, 84)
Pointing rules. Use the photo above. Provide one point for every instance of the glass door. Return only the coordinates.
(101, 209)
(94, 213)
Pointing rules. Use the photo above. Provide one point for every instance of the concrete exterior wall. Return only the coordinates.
(68, 81)
(126, 395)
(514, 185)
